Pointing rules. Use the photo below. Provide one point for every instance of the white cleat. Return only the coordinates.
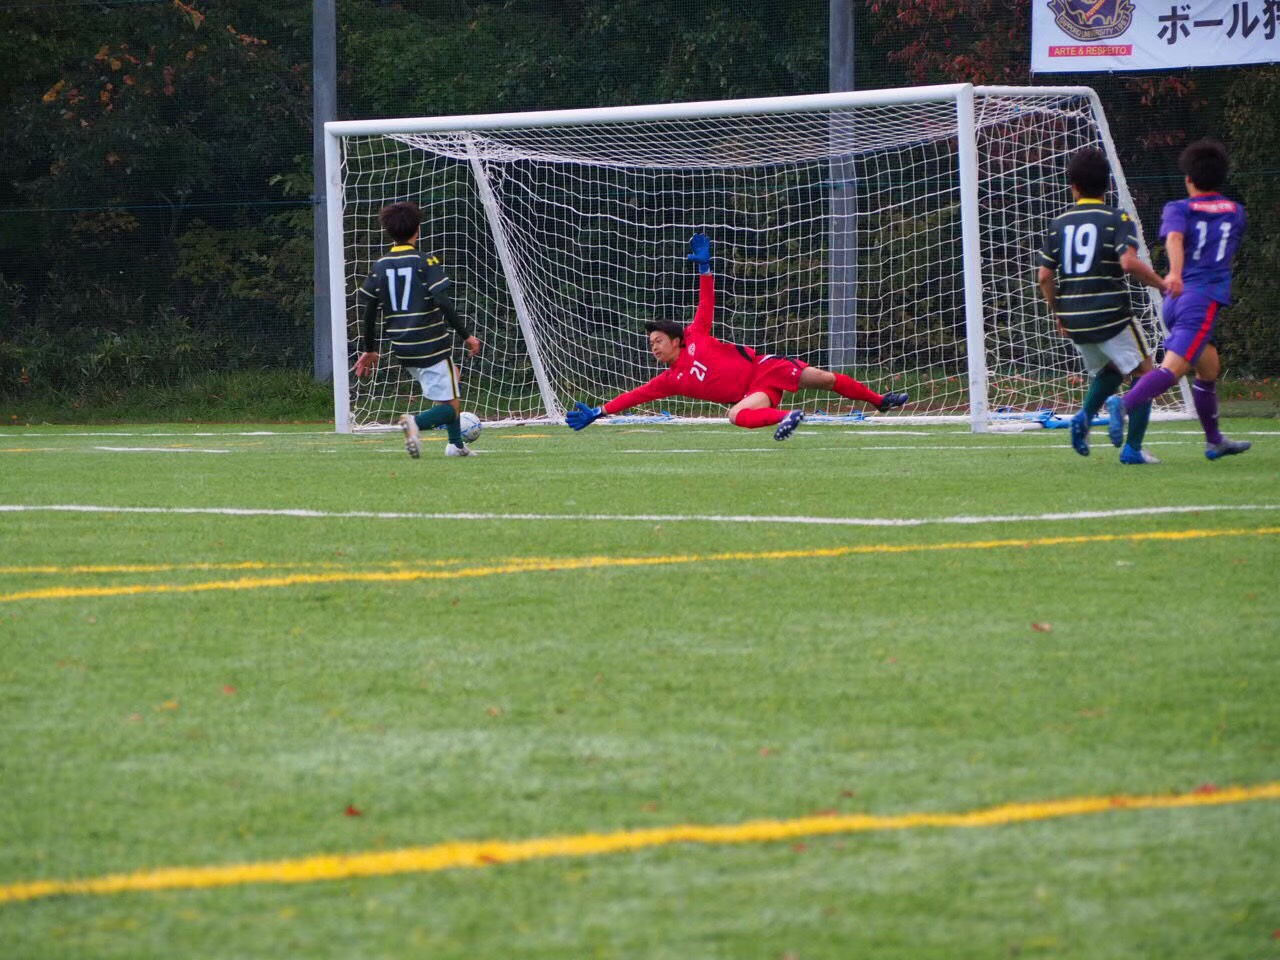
(410, 427)
(454, 450)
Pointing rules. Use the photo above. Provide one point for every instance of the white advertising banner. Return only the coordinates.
(1079, 36)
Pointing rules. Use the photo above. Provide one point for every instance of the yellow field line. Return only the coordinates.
(88, 568)
(551, 565)
(487, 853)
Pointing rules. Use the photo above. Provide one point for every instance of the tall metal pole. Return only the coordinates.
(324, 107)
(840, 69)
(842, 238)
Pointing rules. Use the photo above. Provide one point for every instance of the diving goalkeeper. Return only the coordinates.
(703, 368)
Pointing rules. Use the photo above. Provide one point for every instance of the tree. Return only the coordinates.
(949, 41)
(484, 57)
(132, 128)
(1251, 343)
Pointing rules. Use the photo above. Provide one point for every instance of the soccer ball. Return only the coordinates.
(469, 424)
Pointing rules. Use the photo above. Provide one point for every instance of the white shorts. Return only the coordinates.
(1125, 351)
(439, 381)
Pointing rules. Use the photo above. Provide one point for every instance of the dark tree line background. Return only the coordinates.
(155, 203)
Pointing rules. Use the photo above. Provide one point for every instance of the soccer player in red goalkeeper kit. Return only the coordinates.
(703, 368)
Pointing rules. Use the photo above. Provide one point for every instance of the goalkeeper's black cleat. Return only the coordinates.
(788, 425)
(891, 401)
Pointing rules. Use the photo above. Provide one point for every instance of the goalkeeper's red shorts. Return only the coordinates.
(775, 376)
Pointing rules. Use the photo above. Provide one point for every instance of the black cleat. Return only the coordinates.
(891, 401)
(1225, 448)
(788, 425)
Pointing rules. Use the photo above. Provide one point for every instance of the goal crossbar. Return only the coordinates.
(658, 111)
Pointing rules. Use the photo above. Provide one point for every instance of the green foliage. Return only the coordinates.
(150, 138)
(239, 274)
(249, 396)
(495, 56)
(158, 165)
(1251, 329)
(85, 358)
(147, 108)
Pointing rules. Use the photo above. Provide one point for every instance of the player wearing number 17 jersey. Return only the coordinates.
(410, 291)
(1202, 234)
(702, 367)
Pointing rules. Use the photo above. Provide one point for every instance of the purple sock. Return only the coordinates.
(1205, 395)
(1148, 387)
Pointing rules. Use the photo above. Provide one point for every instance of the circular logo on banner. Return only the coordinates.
(1092, 19)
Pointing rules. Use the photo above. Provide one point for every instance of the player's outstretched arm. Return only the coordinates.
(700, 254)
(582, 416)
(1133, 265)
(700, 251)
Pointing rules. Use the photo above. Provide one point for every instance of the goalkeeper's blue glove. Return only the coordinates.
(582, 416)
(700, 251)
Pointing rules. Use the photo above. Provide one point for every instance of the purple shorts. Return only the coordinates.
(1190, 320)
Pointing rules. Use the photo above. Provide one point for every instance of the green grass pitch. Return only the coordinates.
(236, 646)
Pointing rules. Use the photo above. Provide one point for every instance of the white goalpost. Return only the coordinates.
(889, 234)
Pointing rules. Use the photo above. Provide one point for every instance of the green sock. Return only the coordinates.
(1103, 385)
(441, 413)
(1139, 417)
(455, 431)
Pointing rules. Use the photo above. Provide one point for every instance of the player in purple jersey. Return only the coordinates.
(1202, 234)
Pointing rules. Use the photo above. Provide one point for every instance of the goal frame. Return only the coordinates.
(963, 95)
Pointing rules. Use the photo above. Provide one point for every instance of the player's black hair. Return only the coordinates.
(1089, 172)
(1206, 163)
(400, 220)
(671, 328)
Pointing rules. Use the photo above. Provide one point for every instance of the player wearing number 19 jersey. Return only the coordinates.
(1084, 245)
(702, 367)
(1087, 251)
(1202, 234)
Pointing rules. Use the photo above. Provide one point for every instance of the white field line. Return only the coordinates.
(885, 448)
(963, 519)
(659, 451)
(662, 451)
(191, 433)
(158, 450)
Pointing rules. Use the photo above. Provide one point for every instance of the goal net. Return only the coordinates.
(888, 234)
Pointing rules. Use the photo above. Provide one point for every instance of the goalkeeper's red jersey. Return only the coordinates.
(707, 368)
